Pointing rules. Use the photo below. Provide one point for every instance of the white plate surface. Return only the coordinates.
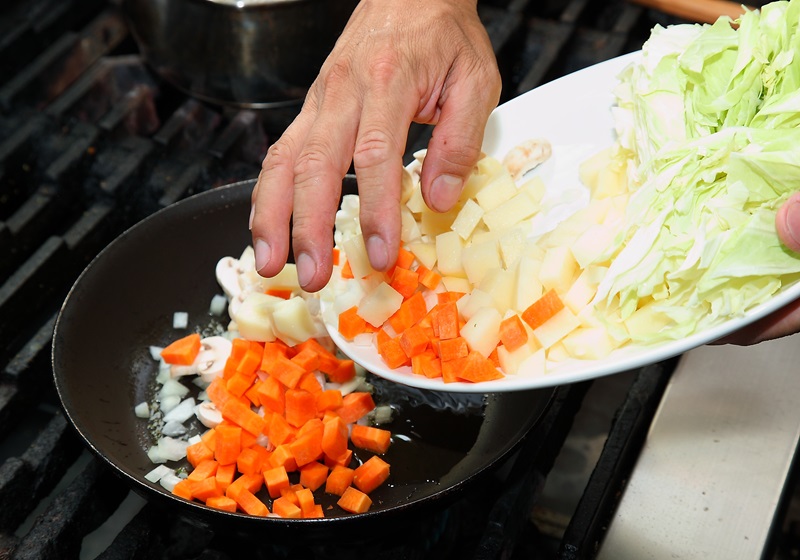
(573, 113)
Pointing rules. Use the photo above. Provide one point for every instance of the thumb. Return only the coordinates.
(787, 223)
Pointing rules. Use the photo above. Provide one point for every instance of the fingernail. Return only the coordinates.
(252, 214)
(793, 219)
(263, 253)
(306, 269)
(445, 191)
(377, 253)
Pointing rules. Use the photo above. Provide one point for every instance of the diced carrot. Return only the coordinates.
(343, 461)
(286, 371)
(477, 368)
(411, 311)
(283, 507)
(279, 430)
(310, 383)
(427, 364)
(252, 393)
(248, 439)
(370, 438)
(404, 281)
(205, 489)
(351, 324)
(228, 444)
(225, 475)
(334, 438)
(392, 353)
(446, 320)
(541, 310)
(452, 368)
(250, 504)
(204, 469)
(271, 351)
(305, 497)
(301, 406)
(344, 372)
(335, 255)
(223, 503)
(413, 341)
(405, 259)
(276, 480)
(271, 394)
(209, 438)
(370, 474)
(307, 359)
(347, 272)
(239, 383)
(251, 361)
(307, 447)
(238, 350)
(316, 512)
(183, 489)
(450, 349)
(182, 351)
(354, 406)
(283, 293)
(354, 501)
(249, 461)
(339, 480)
(428, 278)
(282, 457)
(512, 333)
(291, 494)
(494, 358)
(328, 399)
(218, 392)
(198, 452)
(313, 475)
(243, 416)
(250, 482)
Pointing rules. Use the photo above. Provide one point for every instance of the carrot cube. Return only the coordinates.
(541, 310)
(354, 501)
(313, 475)
(339, 480)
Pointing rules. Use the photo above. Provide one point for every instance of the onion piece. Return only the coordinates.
(180, 320)
(182, 412)
(158, 473)
(142, 410)
(218, 305)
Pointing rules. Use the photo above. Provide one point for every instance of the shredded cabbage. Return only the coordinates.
(710, 121)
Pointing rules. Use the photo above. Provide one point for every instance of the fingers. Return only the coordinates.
(455, 145)
(273, 197)
(787, 223)
(378, 161)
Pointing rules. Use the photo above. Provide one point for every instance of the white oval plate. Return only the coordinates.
(576, 106)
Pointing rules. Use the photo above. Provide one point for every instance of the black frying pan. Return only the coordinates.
(124, 302)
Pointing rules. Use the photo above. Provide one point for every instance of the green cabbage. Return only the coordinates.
(710, 118)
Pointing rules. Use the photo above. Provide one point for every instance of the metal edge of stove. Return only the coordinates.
(711, 478)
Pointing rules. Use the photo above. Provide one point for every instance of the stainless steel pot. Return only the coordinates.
(247, 53)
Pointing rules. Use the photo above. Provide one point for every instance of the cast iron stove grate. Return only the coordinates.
(92, 142)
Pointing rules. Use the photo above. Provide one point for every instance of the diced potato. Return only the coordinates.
(474, 301)
(496, 191)
(593, 244)
(646, 321)
(589, 170)
(286, 279)
(434, 223)
(501, 284)
(416, 203)
(482, 330)
(448, 254)
(511, 360)
(356, 253)
(528, 288)
(511, 212)
(253, 317)
(588, 343)
(456, 284)
(424, 252)
(556, 328)
(469, 217)
(558, 269)
(480, 258)
(293, 321)
(380, 304)
(409, 228)
(557, 353)
(584, 288)
(534, 188)
(512, 245)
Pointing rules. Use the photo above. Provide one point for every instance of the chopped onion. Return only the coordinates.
(173, 387)
(169, 402)
(158, 473)
(169, 481)
(180, 320)
(194, 439)
(218, 305)
(155, 353)
(173, 429)
(182, 412)
(382, 414)
(142, 410)
(167, 449)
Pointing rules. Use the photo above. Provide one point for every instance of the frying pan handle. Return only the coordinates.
(701, 11)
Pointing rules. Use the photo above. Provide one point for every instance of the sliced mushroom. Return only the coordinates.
(214, 352)
(527, 156)
(208, 414)
(228, 276)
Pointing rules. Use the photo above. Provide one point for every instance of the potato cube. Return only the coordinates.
(528, 287)
(356, 253)
(510, 213)
(253, 316)
(473, 302)
(293, 321)
(558, 269)
(380, 304)
(469, 217)
(480, 258)
(589, 343)
(556, 328)
(409, 228)
(482, 330)
(496, 191)
(584, 288)
(512, 245)
(434, 223)
(448, 254)
(456, 284)
(424, 252)
(592, 245)
(501, 284)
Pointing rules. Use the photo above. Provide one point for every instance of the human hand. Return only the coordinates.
(786, 320)
(396, 62)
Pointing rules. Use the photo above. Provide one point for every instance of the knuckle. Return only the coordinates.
(374, 147)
